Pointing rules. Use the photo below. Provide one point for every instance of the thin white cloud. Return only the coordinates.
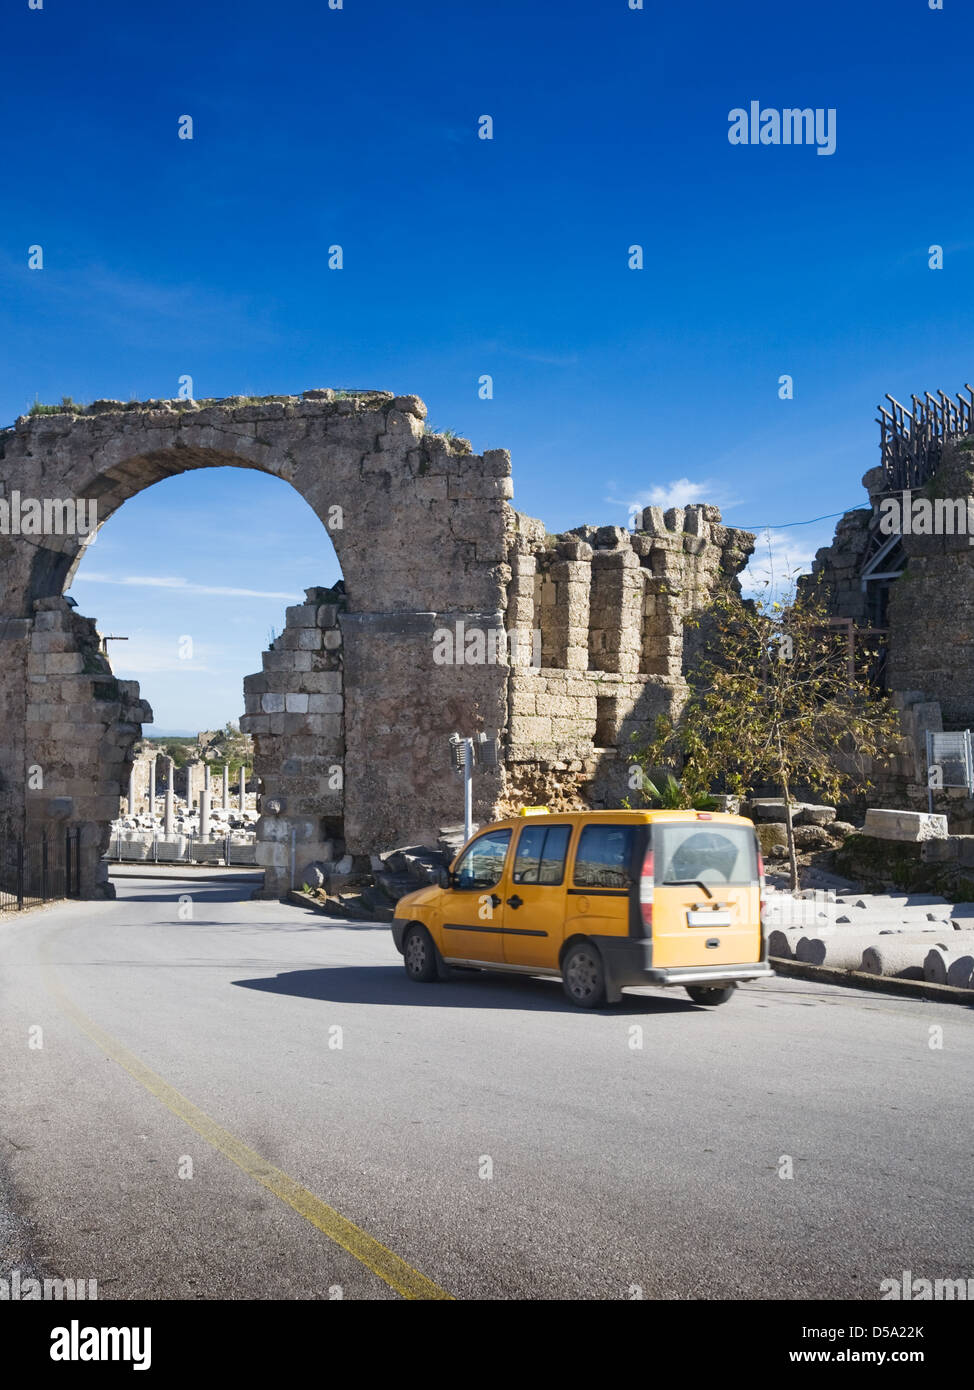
(185, 586)
(679, 492)
(778, 557)
(544, 359)
(141, 656)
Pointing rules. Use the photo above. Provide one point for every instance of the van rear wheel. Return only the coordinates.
(419, 955)
(709, 994)
(583, 976)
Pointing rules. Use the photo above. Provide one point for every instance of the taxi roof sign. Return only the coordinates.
(534, 811)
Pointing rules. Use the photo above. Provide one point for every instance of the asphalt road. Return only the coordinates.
(188, 1126)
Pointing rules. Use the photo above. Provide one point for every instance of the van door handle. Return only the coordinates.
(515, 901)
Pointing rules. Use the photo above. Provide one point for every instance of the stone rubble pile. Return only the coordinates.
(373, 896)
(815, 826)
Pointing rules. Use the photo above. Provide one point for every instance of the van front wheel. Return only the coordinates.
(419, 955)
(709, 994)
(583, 976)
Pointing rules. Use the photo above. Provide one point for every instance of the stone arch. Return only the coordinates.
(421, 542)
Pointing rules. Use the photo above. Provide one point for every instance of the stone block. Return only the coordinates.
(323, 682)
(772, 808)
(325, 725)
(302, 615)
(910, 827)
(771, 834)
(255, 724)
(532, 729)
(271, 856)
(326, 704)
(944, 851)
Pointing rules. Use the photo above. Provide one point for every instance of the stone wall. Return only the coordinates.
(295, 714)
(931, 607)
(418, 522)
(353, 710)
(927, 618)
(79, 731)
(610, 607)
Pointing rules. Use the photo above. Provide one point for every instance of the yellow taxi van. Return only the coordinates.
(601, 899)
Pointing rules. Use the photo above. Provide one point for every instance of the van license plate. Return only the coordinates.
(708, 919)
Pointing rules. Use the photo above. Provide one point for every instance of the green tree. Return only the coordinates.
(179, 752)
(772, 699)
(233, 748)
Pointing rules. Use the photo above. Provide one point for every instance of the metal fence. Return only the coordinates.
(912, 441)
(182, 849)
(39, 868)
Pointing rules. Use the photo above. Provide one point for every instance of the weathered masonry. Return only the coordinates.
(352, 711)
(910, 592)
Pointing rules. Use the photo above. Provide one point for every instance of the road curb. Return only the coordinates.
(883, 984)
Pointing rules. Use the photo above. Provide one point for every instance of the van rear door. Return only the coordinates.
(604, 876)
(706, 892)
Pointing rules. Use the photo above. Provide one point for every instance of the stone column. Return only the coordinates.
(152, 788)
(204, 814)
(169, 822)
(132, 790)
(226, 787)
(615, 631)
(564, 610)
(206, 777)
(243, 788)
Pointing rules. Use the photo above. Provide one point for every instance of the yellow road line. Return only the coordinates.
(377, 1257)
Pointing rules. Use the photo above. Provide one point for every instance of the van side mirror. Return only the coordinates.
(446, 878)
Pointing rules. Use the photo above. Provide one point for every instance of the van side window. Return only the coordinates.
(541, 851)
(482, 866)
(604, 855)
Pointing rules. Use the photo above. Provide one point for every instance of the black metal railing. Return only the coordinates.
(188, 848)
(912, 441)
(39, 867)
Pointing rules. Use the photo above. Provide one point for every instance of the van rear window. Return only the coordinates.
(604, 856)
(693, 853)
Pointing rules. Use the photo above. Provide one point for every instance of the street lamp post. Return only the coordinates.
(464, 753)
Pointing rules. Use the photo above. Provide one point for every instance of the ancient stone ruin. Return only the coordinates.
(910, 593)
(455, 613)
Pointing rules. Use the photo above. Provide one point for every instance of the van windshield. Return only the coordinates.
(692, 853)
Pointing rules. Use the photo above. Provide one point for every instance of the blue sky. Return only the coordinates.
(358, 126)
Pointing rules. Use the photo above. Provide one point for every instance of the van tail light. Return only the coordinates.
(764, 903)
(647, 885)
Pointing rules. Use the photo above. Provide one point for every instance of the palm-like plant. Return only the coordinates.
(670, 795)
